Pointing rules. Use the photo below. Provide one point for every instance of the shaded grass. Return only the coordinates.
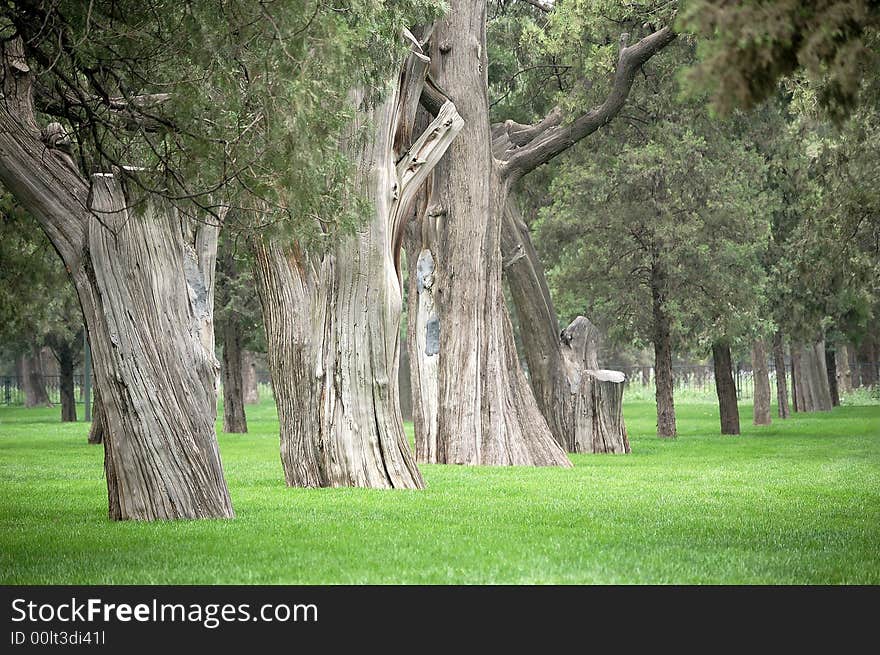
(795, 502)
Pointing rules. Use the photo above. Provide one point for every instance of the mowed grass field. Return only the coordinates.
(797, 502)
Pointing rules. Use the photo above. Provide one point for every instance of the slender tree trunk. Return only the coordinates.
(781, 381)
(562, 367)
(831, 370)
(333, 319)
(98, 427)
(33, 381)
(761, 376)
(234, 419)
(249, 378)
(797, 398)
(844, 373)
(66, 363)
(725, 388)
(144, 277)
(663, 382)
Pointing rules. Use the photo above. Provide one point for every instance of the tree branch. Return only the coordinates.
(543, 5)
(538, 144)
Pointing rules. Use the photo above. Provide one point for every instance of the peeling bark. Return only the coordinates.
(333, 319)
(144, 279)
(761, 375)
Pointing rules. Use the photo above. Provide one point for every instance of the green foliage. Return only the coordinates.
(750, 45)
(795, 502)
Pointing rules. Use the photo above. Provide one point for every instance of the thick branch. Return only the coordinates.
(551, 139)
(543, 5)
(132, 113)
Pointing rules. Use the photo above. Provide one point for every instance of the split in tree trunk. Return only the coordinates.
(333, 319)
(562, 367)
(831, 369)
(761, 377)
(844, 373)
(781, 382)
(725, 388)
(249, 378)
(144, 277)
(234, 419)
(96, 431)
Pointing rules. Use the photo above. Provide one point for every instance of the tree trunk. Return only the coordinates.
(844, 373)
(811, 374)
(797, 399)
(485, 410)
(98, 427)
(33, 381)
(234, 419)
(558, 363)
(66, 363)
(144, 276)
(333, 319)
(831, 370)
(249, 378)
(725, 388)
(761, 376)
(663, 381)
(781, 381)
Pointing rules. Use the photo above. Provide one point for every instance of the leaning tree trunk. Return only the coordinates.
(844, 373)
(249, 378)
(333, 319)
(33, 381)
(831, 370)
(663, 381)
(66, 364)
(98, 427)
(562, 367)
(234, 419)
(781, 382)
(725, 388)
(761, 376)
(814, 394)
(144, 277)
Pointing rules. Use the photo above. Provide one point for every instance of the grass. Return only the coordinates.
(796, 502)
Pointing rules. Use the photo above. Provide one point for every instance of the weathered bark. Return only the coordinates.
(99, 426)
(844, 373)
(831, 370)
(761, 378)
(249, 378)
(556, 361)
(144, 278)
(234, 418)
(782, 408)
(662, 328)
(725, 388)
(813, 392)
(33, 381)
(66, 364)
(333, 319)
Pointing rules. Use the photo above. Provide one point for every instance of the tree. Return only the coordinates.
(761, 403)
(476, 405)
(334, 367)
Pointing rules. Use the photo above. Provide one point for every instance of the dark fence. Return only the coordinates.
(12, 390)
(701, 378)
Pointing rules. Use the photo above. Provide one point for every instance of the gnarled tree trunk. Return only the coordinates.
(725, 388)
(333, 319)
(556, 361)
(782, 408)
(234, 419)
(761, 377)
(144, 277)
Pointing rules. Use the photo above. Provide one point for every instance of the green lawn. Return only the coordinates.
(796, 502)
